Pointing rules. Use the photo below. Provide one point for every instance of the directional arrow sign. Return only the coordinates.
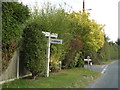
(87, 60)
(47, 34)
(54, 35)
(58, 41)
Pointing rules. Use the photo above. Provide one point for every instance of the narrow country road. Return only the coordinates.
(109, 78)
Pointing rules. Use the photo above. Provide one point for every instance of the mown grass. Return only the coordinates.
(71, 78)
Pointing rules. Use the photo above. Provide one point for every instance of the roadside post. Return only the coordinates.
(57, 41)
(60, 65)
(88, 61)
(17, 63)
(88, 57)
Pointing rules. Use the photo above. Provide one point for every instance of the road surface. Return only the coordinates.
(109, 78)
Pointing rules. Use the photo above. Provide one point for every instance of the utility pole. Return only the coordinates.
(83, 5)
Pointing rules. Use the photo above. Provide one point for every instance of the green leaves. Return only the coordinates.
(55, 20)
(14, 16)
(91, 32)
(34, 48)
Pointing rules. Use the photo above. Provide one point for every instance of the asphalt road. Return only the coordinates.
(109, 78)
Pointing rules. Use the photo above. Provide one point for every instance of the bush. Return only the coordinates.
(75, 61)
(54, 67)
(80, 62)
(34, 48)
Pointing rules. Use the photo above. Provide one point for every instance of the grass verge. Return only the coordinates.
(70, 78)
(106, 62)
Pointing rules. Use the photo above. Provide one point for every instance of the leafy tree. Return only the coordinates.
(109, 51)
(88, 34)
(91, 32)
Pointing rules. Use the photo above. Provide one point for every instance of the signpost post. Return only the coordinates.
(49, 35)
(48, 57)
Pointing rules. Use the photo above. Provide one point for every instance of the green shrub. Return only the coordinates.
(80, 62)
(74, 62)
(34, 48)
(54, 65)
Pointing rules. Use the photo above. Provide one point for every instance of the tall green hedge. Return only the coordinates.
(34, 48)
(14, 16)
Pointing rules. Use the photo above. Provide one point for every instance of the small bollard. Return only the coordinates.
(90, 63)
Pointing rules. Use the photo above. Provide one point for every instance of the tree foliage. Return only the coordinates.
(92, 35)
(109, 51)
(87, 35)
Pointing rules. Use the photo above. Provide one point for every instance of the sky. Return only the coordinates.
(103, 12)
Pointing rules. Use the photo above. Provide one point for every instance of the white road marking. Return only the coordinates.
(103, 71)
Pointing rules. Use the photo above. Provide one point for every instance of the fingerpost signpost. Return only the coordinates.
(57, 41)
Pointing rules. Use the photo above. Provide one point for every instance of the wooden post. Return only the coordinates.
(48, 57)
(17, 63)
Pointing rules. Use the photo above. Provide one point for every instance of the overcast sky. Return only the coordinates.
(103, 12)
